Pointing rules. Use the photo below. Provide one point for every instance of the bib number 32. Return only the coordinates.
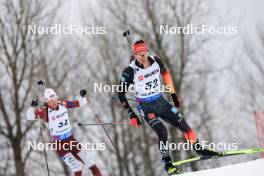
(63, 123)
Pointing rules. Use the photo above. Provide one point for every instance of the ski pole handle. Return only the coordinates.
(126, 34)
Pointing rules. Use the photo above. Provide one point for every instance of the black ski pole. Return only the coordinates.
(41, 88)
(97, 117)
(45, 154)
(106, 123)
(126, 34)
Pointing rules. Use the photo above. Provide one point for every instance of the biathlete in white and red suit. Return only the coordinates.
(55, 114)
(144, 72)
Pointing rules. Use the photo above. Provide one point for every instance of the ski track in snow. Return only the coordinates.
(251, 168)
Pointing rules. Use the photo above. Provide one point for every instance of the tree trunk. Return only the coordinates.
(19, 164)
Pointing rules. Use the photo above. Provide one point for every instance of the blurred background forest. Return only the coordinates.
(220, 77)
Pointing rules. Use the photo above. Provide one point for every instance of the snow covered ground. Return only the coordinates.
(254, 168)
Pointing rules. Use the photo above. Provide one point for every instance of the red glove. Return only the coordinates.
(134, 121)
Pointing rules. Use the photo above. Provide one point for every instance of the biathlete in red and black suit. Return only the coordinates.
(144, 73)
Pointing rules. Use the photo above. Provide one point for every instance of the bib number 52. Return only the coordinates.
(151, 84)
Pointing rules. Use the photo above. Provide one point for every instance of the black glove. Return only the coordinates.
(34, 102)
(177, 100)
(83, 92)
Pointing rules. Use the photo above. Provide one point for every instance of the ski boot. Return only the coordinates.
(205, 152)
(171, 170)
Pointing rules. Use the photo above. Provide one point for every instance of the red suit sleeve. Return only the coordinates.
(41, 113)
(165, 75)
(70, 104)
(168, 81)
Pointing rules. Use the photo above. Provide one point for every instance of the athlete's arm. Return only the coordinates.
(165, 75)
(34, 113)
(82, 101)
(31, 111)
(168, 82)
(37, 113)
(31, 114)
(70, 104)
(125, 81)
(41, 113)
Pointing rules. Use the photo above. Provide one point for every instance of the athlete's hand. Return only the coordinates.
(83, 92)
(34, 102)
(134, 120)
(177, 100)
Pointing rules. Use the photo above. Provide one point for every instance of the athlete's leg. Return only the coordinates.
(89, 163)
(73, 163)
(96, 172)
(83, 157)
(171, 114)
(78, 173)
(161, 131)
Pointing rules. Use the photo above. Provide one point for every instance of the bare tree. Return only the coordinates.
(20, 59)
(248, 75)
(251, 72)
